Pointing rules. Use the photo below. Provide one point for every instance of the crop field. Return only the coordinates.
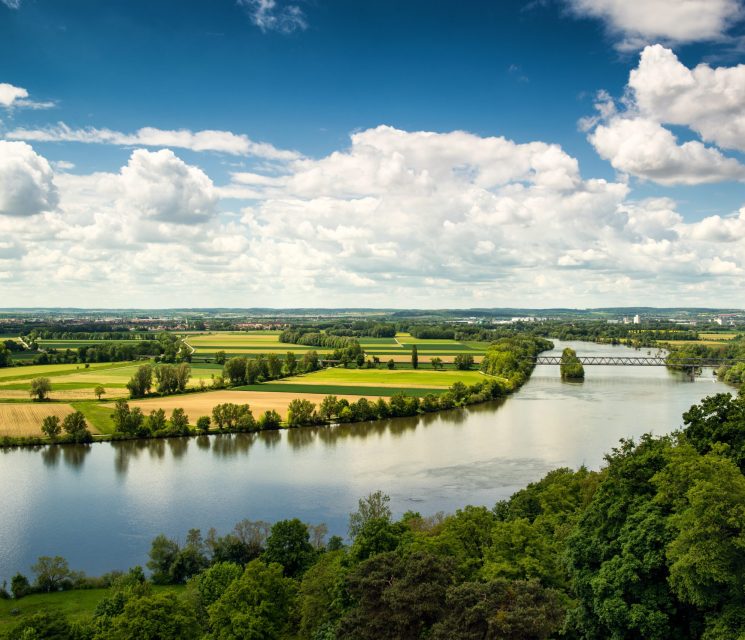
(343, 390)
(24, 418)
(399, 348)
(201, 404)
(717, 336)
(246, 343)
(61, 345)
(75, 382)
(382, 377)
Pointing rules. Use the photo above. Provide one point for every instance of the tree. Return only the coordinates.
(99, 391)
(274, 364)
(19, 586)
(300, 412)
(375, 505)
(391, 364)
(182, 376)
(220, 357)
(212, 583)
(51, 426)
(156, 421)
(52, 573)
(160, 616)
(76, 427)
(270, 419)
(44, 625)
(570, 367)
(463, 361)
(310, 361)
(436, 362)
(235, 370)
(289, 545)
(517, 610)
(290, 363)
(203, 424)
(163, 554)
(40, 388)
(397, 597)
(256, 605)
(414, 358)
(179, 422)
(141, 382)
(321, 597)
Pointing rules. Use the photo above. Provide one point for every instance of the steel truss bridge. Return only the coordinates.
(652, 361)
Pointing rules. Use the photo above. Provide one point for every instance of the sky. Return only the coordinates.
(372, 153)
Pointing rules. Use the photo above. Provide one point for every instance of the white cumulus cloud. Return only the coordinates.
(270, 15)
(636, 22)
(26, 181)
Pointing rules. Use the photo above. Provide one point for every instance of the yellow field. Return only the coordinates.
(201, 404)
(63, 394)
(423, 358)
(18, 419)
(717, 336)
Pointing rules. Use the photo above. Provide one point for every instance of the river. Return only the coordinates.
(99, 506)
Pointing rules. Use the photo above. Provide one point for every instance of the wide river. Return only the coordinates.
(99, 506)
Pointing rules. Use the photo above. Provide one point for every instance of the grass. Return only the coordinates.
(9, 374)
(76, 605)
(403, 377)
(332, 389)
(96, 414)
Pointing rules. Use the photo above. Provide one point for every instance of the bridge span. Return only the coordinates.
(625, 361)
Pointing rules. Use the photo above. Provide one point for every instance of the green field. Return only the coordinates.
(395, 377)
(9, 374)
(76, 605)
(339, 389)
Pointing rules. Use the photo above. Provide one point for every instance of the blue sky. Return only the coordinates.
(317, 227)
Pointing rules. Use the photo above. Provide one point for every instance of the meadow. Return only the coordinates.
(76, 605)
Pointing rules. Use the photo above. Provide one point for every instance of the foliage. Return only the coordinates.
(141, 382)
(570, 366)
(289, 545)
(40, 388)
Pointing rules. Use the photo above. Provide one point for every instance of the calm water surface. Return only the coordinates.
(100, 506)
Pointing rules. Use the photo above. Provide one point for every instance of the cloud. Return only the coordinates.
(662, 91)
(268, 15)
(11, 4)
(635, 23)
(645, 149)
(710, 101)
(208, 140)
(397, 218)
(26, 181)
(17, 97)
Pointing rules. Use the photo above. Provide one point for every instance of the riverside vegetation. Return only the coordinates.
(650, 546)
(506, 367)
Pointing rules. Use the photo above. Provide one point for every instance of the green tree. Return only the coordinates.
(212, 582)
(463, 361)
(40, 388)
(301, 412)
(19, 586)
(156, 421)
(99, 391)
(255, 606)
(397, 597)
(436, 362)
(517, 610)
(75, 426)
(290, 363)
(321, 598)
(203, 424)
(163, 554)
(52, 573)
(391, 364)
(220, 357)
(235, 370)
(141, 382)
(44, 625)
(414, 358)
(270, 419)
(289, 545)
(374, 505)
(160, 616)
(570, 367)
(179, 422)
(51, 426)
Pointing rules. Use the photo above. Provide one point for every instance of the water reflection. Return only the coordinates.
(73, 455)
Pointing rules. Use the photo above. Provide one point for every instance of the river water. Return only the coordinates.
(99, 506)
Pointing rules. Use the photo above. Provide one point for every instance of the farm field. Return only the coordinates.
(320, 390)
(384, 377)
(75, 382)
(24, 418)
(718, 337)
(250, 343)
(235, 343)
(201, 404)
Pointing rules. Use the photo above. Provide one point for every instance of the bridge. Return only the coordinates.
(625, 361)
